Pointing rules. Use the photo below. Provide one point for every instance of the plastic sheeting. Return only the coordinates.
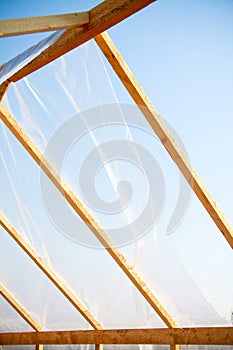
(42, 104)
(14, 65)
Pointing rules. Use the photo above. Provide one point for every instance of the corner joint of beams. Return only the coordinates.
(3, 88)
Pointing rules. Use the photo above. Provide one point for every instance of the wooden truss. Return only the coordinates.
(79, 28)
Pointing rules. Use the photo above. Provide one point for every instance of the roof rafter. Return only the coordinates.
(168, 140)
(102, 17)
(54, 278)
(184, 336)
(3, 88)
(69, 40)
(93, 225)
(21, 26)
(19, 308)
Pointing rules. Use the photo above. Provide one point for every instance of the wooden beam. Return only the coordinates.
(39, 347)
(99, 347)
(182, 336)
(19, 308)
(21, 26)
(138, 95)
(174, 347)
(102, 17)
(3, 88)
(21, 311)
(54, 278)
(75, 203)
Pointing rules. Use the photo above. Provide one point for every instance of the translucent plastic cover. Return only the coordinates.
(80, 117)
(14, 65)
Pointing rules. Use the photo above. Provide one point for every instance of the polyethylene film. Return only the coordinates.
(81, 118)
(14, 65)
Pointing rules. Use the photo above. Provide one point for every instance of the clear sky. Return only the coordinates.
(181, 51)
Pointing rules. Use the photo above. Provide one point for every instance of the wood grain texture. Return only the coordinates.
(79, 208)
(21, 26)
(182, 336)
(161, 130)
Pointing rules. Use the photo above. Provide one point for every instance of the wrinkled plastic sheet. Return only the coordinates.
(81, 87)
(14, 65)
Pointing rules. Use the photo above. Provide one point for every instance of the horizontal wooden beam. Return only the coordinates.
(19, 308)
(79, 208)
(102, 17)
(161, 130)
(21, 26)
(54, 278)
(182, 336)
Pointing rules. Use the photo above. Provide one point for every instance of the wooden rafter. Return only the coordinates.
(21, 26)
(54, 278)
(196, 336)
(182, 336)
(3, 88)
(19, 308)
(136, 92)
(102, 17)
(27, 143)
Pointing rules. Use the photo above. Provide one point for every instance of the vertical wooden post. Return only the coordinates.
(99, 347)
(39, 347)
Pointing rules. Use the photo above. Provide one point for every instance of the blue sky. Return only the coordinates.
(182, 54)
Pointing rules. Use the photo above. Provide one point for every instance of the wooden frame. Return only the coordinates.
(79, 208)
(3, 88)
(53, 277)
(181, 336)
(100, 18)
(40, 347)
(168, 140)
(21, 26)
